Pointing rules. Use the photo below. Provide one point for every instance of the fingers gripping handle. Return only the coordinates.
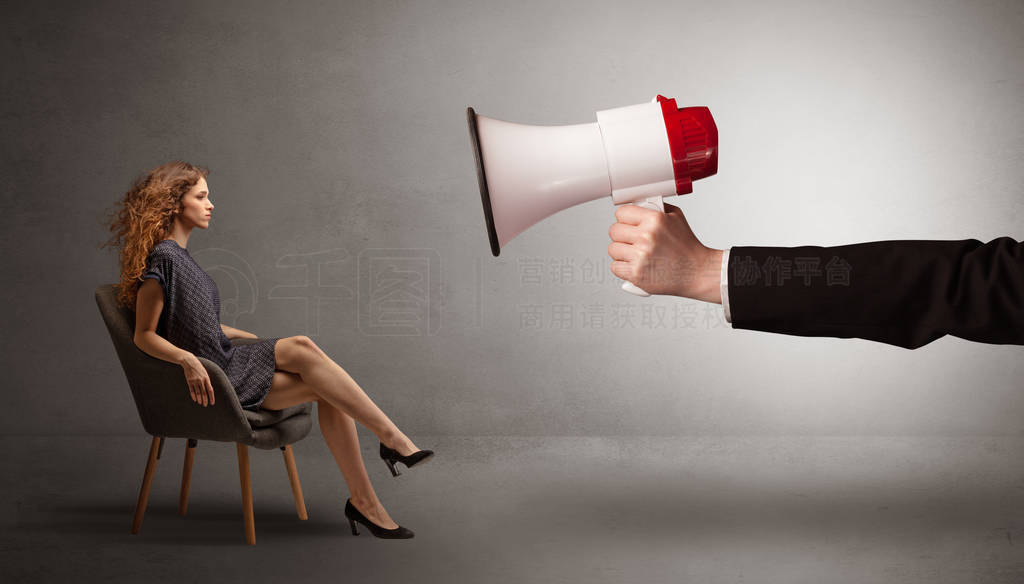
(655, 204)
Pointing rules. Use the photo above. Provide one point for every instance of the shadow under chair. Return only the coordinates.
(167, 411)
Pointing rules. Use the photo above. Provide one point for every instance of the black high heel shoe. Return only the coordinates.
(390, 457)
(355, 515)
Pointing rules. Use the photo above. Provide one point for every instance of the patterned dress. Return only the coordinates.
(190, 320)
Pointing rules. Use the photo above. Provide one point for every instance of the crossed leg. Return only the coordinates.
(305, 373)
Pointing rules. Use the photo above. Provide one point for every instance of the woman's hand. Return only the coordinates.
(199, 385)
(660, 253)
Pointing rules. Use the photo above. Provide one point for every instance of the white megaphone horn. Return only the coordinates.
(637, 154)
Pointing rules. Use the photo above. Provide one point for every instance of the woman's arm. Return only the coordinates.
(233, 333)
(148, 306)
(149, 303)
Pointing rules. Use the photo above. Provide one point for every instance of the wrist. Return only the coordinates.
(709, 277)
(184, 357)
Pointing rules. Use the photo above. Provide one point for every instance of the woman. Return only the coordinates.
(177, 309)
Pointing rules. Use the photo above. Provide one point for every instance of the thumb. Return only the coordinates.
(679, 223)
(672, 209)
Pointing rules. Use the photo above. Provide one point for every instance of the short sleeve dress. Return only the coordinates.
(190, 320)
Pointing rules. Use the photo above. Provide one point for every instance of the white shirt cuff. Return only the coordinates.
(725, 285)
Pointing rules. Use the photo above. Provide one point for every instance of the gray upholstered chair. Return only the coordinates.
(167, 411)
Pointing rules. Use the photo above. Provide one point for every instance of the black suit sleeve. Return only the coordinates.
(905, 293)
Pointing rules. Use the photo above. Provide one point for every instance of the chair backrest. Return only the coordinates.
(159, 387)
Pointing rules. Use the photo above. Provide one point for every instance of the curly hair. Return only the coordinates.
(145, 216)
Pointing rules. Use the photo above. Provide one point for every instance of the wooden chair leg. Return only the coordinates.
(147, 482)
(293, 477)
(186, 475)
(243, 472)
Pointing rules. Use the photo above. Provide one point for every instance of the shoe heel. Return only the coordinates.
(392, 467)
(352, 524)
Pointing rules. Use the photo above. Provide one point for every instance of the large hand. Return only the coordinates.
(659, 253)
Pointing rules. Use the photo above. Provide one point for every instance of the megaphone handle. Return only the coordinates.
(656, 203)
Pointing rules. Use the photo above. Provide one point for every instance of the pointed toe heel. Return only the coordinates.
(391, 457)
(355, 516)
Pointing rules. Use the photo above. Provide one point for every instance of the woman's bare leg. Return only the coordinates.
(339, 430)
(300, 355)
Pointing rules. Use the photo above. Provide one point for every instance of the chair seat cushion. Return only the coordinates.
(263, 418)
(288, 431)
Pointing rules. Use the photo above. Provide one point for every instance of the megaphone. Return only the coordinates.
(636, 154)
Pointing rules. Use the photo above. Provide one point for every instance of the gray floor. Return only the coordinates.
(501, 509)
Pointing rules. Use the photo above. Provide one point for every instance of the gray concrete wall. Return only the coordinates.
(336, 137)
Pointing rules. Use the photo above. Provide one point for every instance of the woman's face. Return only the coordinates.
(196, 208)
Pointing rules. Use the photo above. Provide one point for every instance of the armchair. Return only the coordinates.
(167, 411)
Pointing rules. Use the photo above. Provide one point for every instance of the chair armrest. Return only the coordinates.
(226, 408)
(167, 409)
